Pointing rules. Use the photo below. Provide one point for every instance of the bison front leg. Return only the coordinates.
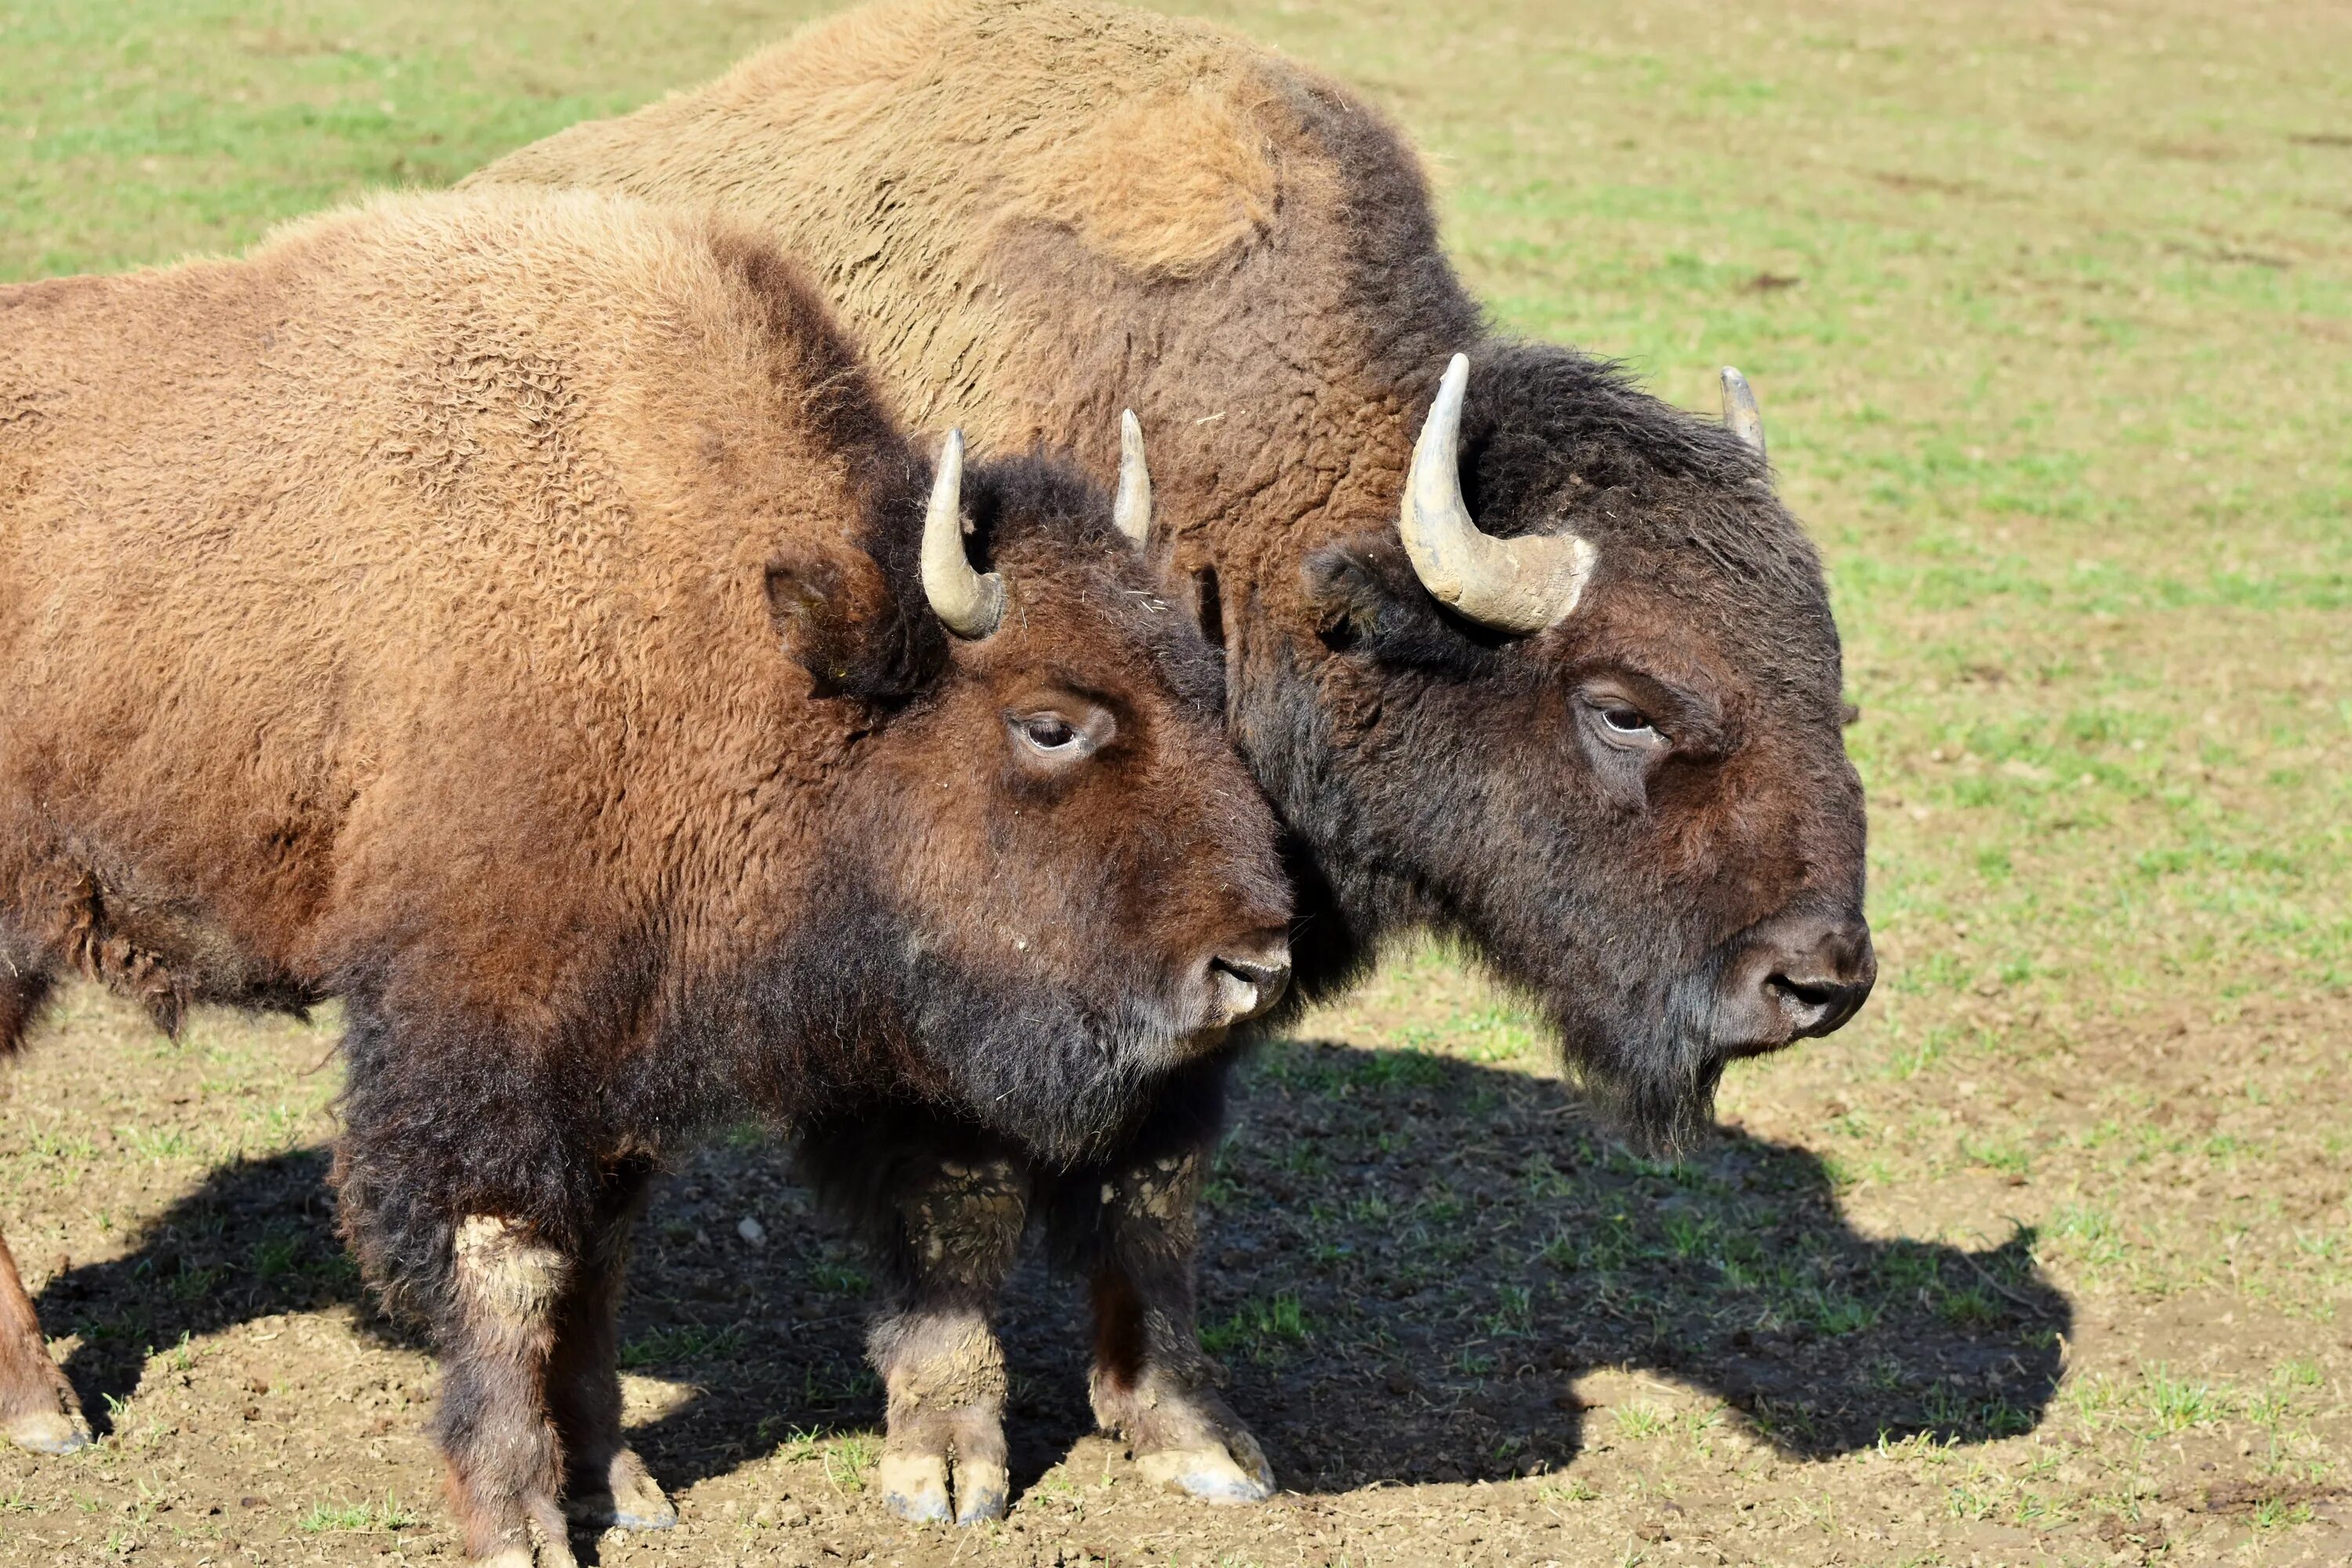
(463, 1192)
(1152, 1383)
(960, 1223)
(608, 1484)
(506, 1293)
(943, 1211)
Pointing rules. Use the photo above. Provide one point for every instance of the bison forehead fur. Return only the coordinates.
(1089, 206)
(439, 608)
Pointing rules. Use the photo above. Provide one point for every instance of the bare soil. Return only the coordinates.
(1466, 1328)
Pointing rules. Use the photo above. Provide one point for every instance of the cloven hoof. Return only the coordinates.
(915, 1487)
(982, 1491)
(1211, 1475)
(49, 1431)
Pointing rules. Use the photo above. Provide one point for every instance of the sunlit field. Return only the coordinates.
(2048, 1258)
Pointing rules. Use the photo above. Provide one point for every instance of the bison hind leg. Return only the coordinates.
(38, 1408)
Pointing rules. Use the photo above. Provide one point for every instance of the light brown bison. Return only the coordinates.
(516, 615)
(1536, 660)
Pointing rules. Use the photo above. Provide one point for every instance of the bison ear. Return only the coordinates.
(1344, 588)
(841, 621)
(1369, 603)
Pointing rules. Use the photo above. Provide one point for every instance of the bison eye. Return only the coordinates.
(1047, 740)
(1047, 733)
(1619, 723)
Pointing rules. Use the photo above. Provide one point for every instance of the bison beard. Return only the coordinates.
(562, 693)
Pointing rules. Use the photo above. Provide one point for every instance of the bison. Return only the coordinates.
(516, 615)
(1521, 654)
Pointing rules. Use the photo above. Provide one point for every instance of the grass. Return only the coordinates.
(1640, 1421)
(1261, 1329)
(850, 1460)
(2051, 314)
(682, 1346)
(340, 1518)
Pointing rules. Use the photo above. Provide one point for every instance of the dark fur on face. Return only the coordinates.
(1613, 892)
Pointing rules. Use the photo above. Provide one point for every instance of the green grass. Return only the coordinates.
(1639, 1422)
(340, 1518)
(135, 131)
(849, 1460)
(1263, 1330)
(682, 1346)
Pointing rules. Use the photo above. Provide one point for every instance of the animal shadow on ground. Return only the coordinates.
(1407, 1260)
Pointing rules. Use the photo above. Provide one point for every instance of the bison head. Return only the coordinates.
(1071, 881)
(1583, 710)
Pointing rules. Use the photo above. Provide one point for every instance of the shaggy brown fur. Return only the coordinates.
(435, 609)
(1035, 211)
(999, 224)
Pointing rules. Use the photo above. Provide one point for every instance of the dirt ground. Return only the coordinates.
(1467, 1330)
(2047, 1258)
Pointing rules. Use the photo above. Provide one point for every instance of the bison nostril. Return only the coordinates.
(1821, 994)
(1247, 986)
(1817, 1005)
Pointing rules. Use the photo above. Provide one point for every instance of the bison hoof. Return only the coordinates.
(1211, 1475)
(543, 1553)
(915, 1487)
(626, 1497)
(637, 1501)
(982, 1491)
(540, 1540)
(49, 1431)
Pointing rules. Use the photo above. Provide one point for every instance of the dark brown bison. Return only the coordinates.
(1537, 661)
(515, 614)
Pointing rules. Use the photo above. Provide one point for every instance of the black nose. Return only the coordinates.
(1802, 973)
(1821, 976)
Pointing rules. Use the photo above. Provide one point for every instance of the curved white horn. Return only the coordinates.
(1512, 584)
(1740, 414)
(967, 603)
(1131, 512)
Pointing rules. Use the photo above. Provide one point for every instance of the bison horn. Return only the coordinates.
(1132, 510)
(1512, 584)
(968, 603)
(1740, 416)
